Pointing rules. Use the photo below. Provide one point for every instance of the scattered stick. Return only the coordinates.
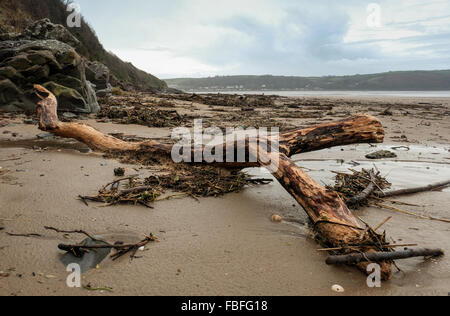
(382, 224)
(122, 249)
(427, 188)
(82, 232)
(410, 213)
(359, 247)
(114, 184)
(383, 256)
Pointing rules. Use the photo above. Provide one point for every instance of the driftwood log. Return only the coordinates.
(336, 226)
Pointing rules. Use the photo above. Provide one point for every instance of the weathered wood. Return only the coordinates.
(356, 258)
(334, 223)
(358, 129)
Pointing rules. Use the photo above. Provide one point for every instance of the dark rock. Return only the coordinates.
(119, 172)
(105, 92)
(12, 98)
(68, 99)
(53, 64)
(37, 73)
(98, 74)
(45, 135)
(45, 53)
(382, 154)
(29, 121)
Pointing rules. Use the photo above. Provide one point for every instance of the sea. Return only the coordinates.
(412, 94)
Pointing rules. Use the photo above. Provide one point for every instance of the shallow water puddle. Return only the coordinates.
(402, 174)
(65, 144)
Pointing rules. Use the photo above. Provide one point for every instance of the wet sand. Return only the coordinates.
(215, 246)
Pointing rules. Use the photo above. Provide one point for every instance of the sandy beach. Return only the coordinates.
(226, 245)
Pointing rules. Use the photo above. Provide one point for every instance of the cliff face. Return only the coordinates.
(17, 15)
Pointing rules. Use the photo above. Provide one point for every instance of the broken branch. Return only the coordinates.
(383, 256)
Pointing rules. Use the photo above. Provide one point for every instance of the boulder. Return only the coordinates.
(68, 99)
(45, 53)
(51, 63)
(99, 75)
(44, 30)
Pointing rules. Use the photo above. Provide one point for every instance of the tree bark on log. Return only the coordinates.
(335, 224)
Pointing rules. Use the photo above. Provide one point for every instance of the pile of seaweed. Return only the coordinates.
(173, 180)
(355, 184)
(133, 109)
(228, 100)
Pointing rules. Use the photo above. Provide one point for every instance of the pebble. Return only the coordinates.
(337, 288)
(277, 218)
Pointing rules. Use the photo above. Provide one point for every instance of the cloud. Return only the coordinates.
(199, 38)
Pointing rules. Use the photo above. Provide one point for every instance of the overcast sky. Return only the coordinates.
(196, 38)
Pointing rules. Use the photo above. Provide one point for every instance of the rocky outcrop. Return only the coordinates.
(44, 54)
(100, 76)
(44, 29)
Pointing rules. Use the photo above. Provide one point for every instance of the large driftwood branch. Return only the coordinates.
(358, 129)
(334, 222)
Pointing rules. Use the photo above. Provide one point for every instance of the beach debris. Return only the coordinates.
(388, 111)
(119, 110)
(89, 287)
(195, 181)
(277, 218)
(356, 258)
(4, 274)
(398, 210)
(337, 288)
(134, 193)
(91, 251)
(357, 187)
(381, 154)
(87, 260)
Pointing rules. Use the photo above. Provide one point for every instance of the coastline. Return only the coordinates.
(218, 246)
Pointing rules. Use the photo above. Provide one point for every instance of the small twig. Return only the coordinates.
(359, 247)
(82, 198)
(82, 232)
(410, 213)
(382, 224)
(120, 180)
